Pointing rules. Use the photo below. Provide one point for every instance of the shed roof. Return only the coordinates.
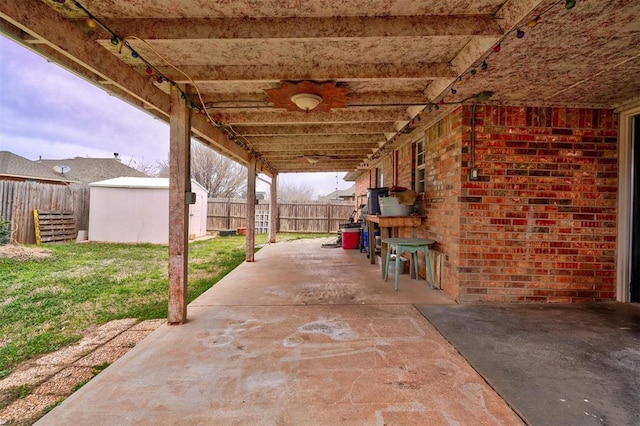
(139, 182)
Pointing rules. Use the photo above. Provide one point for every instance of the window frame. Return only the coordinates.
(420, 153)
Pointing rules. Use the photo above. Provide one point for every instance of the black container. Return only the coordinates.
(373, 205)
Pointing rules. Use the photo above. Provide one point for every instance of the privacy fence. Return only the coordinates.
(19, 199)
(311, 217)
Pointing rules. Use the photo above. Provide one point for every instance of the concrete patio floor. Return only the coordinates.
(304, 335)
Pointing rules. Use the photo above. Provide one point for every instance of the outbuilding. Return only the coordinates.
(136, 210)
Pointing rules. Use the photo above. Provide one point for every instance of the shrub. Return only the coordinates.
(5, 232)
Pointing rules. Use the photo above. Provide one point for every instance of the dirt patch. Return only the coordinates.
(16, 251)
(37, 385)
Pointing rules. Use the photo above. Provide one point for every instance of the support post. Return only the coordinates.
(179, 186)
(251, 209)
(273, 208)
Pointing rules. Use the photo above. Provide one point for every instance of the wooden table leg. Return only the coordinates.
(372, 242)
(384, 234)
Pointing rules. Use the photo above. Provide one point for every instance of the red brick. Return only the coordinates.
(542, 214)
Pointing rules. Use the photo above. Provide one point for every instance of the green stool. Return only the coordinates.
(413, 246)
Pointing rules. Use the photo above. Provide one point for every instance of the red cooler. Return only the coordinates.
(350, 238)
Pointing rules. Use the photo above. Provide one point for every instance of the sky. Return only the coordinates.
(49, 112)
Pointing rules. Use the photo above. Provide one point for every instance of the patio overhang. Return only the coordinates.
(391, 65)
(380, 70)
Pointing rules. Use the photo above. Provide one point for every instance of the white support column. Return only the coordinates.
(273, 208)
(251, 210)
(179, 187)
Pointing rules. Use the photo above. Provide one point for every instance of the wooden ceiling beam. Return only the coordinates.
(329, 149)
(310, 71)
(314, 129)
(334, 116)
(259, 99)
(307, 27)
(513, 12)
(316, 139)
(323, 166)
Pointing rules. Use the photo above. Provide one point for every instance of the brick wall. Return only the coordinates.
(439, 204)
(539, 225)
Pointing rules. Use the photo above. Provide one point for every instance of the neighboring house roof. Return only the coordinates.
(89, 170)
(339, 194)
(16, 167)
(140, 182)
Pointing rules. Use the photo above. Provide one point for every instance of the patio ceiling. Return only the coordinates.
(378, 65)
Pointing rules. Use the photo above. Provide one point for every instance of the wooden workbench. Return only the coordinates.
(386, 224)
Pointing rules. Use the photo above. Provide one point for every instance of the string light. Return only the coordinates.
(93, 22)
(519, 33)
(150, 70)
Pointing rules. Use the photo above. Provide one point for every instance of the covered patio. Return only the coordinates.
(303, 335)
(517, 122)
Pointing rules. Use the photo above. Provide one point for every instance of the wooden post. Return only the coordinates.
(179, 186)
(273, 208)
(251, 209)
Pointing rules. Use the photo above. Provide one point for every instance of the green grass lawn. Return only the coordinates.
(46, 303)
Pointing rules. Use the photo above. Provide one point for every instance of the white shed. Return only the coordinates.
(136, 210)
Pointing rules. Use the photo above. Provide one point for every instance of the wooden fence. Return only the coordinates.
(311, 217)
(19, 199)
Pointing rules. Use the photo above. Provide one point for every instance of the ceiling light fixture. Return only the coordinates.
(313, 160)
(306, 101)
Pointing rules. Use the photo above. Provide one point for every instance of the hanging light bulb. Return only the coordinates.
(91, 23)
(496, 48)
(115, 40)
(149, 70)
(519, 33)
(532, 23)
(569, 4)
(484, 66)
(453, 91)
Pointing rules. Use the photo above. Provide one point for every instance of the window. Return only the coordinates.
(420, 163)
